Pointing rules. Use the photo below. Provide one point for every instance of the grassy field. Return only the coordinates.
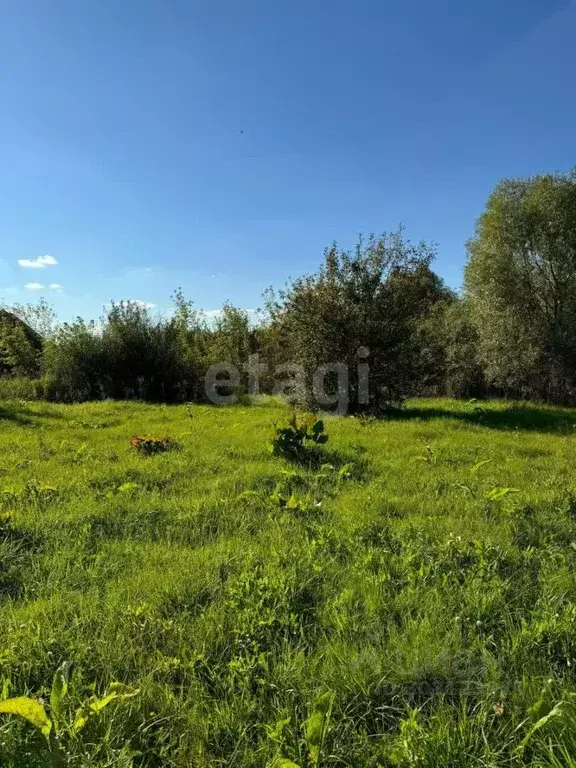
(418, 570)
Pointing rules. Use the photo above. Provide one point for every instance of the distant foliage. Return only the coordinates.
(448, 344)
(21, 388)
(39, 317)
(370, 328)
(75, 364)
(130, 355)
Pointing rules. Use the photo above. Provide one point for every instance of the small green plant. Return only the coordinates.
(295, 504)
(32, 496)
(55, 727)
(289, 439)
(150, 446)
(317, 726)
(406, 751)
(128, 489)
(315, 732)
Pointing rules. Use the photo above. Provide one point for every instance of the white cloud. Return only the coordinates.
(34, 286)
(40, 263)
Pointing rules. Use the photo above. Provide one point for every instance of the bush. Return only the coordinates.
(130, 355)
(448, 344)
(74, 364)
(21, 388)
(289, 439)
(144, 356)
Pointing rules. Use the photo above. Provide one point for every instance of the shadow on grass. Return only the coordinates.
(18, 414)
(12, 414)
(313, 458)
(515, 417)
(17, 545)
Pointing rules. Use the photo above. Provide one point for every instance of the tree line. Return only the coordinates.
(510, 331)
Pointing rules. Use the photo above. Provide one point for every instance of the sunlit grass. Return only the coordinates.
(430, 586)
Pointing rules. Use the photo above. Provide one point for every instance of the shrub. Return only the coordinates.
(74, 364)
(289, 439)
(21, 388)
(130, 354)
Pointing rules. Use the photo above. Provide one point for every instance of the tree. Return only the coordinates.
(521, 283)
(359, 310)
(448, 344)
(75, 363)
(232, 339)
(145, 357)
(20, 346)
(40, 317)
(130, 354)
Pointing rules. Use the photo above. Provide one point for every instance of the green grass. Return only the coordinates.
(233, 588)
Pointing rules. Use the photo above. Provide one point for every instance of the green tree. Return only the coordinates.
(232, 340)
(521, 283)
(145, 356)
(129, 354)
(40, 317)
(359, 309)
(20, 346)
(17, 354)
(448, 343)
(75, 363)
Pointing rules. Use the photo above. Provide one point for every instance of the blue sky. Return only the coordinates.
(220, 146)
